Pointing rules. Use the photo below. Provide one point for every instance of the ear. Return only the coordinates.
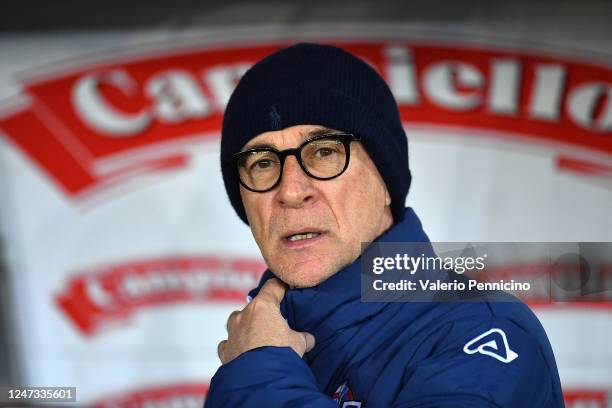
(387, 197)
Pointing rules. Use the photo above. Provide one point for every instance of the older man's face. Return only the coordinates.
(342, 212)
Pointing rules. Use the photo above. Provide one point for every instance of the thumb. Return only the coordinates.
(309, 341)
(274, 290)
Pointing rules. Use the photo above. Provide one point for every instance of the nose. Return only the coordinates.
(296, 188)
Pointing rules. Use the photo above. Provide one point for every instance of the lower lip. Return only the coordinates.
(302, 243)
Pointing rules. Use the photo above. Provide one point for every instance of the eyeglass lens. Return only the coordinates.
(322, 158)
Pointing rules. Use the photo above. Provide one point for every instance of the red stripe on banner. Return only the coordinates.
(583, 167)
(36, 141)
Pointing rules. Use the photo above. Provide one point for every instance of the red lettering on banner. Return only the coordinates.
(93, 299)
(94, 126)
(595, 398)
(172, 396)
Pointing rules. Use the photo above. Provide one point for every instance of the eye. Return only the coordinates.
(262, 164)
(257, 161)
(324, 151)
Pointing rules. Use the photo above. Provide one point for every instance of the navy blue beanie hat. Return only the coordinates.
(313, 84)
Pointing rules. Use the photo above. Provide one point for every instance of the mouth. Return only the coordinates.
(302, 238)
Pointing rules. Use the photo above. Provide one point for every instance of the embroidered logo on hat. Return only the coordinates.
(275, 119)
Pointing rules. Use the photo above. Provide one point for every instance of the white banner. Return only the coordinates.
(126, 257)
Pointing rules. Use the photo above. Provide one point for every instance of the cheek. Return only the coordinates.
(258, 214)
(361, 205)
(369, 205)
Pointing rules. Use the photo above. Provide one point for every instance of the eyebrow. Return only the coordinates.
(304, 136)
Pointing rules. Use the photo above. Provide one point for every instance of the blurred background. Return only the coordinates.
(120, 255)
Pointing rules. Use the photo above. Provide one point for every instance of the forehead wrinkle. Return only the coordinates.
(304, 135)
(320, 130)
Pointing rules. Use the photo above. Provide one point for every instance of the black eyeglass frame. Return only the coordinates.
(345, 138)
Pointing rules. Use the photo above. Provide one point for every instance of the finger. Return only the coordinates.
(231, 319)
(275, 289)
(221, 350)
(302, 342)
(310, 341)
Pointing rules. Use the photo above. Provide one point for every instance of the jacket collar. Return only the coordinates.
(336, 304)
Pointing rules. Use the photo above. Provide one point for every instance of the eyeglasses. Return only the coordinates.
(323, 157)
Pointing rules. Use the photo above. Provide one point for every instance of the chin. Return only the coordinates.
(303, 277)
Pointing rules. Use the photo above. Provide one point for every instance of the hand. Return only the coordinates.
(260, 324)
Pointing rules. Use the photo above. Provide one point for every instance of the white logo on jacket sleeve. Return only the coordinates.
(488, 343)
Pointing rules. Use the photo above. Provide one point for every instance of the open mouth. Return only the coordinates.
(302, 236)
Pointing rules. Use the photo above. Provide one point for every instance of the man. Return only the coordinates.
(315, 161)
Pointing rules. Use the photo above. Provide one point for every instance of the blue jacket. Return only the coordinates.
(434, 354)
